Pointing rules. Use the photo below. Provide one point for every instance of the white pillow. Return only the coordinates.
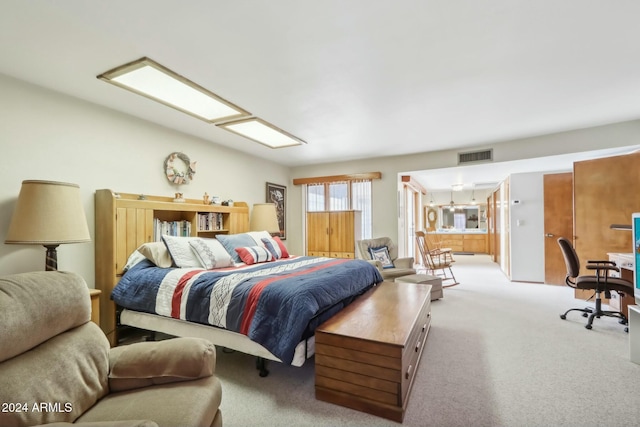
(258, 236)
(211, 253)
(181, 252)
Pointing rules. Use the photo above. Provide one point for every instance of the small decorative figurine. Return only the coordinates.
(205, 198)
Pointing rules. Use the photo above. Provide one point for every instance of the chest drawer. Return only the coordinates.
(413, 351)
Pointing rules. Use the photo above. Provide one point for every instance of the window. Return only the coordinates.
(341, 193)
(315, 197)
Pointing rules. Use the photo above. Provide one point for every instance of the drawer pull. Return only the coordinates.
(408, 374)
(424, 327)
(418, 345)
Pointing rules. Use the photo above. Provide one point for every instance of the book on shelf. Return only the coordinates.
(210, 221)
(171, 228)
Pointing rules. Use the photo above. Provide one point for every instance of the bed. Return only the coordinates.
(267, 309)
(127, 223)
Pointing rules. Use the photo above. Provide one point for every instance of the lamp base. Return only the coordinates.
(51, 261)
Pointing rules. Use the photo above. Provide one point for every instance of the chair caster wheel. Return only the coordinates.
(588, 326)
(585, 315)
(563, 316)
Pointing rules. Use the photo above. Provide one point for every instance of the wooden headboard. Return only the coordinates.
(125, 221)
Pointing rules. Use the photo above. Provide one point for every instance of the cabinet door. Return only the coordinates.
(341, 237)
(133, 227)
(453, 242)
(317, 232)
(474, 243)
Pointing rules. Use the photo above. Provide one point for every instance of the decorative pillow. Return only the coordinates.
(254, 254)
(276, 247)
(258, 236)
(233, 241)
(382, 255)
(157, 253)
(181, 253)
(211, 253)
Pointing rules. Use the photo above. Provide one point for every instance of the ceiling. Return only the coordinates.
(355, 78)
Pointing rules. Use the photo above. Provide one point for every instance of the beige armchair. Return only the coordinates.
(390, 267)
(56, 365)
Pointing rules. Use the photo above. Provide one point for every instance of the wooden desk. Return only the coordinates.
(625, 263)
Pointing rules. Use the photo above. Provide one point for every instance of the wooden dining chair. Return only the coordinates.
(436, 261)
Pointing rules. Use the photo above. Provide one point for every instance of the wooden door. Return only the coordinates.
(605, 192)
(558, 222)
(317, 233)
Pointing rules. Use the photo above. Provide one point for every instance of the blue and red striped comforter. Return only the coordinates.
(272, 303)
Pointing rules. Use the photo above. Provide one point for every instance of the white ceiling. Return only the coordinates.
(353, 78)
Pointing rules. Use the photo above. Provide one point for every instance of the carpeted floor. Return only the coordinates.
(497, 355)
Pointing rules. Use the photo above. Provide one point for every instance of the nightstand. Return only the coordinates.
(95, 305)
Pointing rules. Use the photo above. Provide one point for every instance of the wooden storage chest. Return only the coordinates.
(367, 355)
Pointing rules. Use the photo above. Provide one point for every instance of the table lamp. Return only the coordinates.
(48, 213)
(264, 217)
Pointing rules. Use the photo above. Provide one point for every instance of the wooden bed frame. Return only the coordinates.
(124, 222)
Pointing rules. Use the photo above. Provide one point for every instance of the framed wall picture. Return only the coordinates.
(278, 194)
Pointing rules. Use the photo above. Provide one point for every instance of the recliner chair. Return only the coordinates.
(600, 282)
(57, 365)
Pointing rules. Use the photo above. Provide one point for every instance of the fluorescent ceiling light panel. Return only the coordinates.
(260, 131)
(148, 78)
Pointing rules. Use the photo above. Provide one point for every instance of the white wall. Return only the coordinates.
(527, 227)
(45, 135)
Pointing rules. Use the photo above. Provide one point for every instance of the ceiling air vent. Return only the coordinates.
(475, 156)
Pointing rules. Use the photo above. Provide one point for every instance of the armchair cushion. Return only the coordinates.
(35, 307)
(160, 362)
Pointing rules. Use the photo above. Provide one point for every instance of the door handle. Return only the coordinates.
(548, 235)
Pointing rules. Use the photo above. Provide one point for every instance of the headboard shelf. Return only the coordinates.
(124, 221)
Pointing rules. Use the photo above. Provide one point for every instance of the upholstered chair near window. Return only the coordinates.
(383, 253)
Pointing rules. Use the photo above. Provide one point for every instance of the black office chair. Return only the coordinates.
(600, 282)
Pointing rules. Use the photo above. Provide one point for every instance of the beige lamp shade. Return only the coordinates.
(48, 213)
(264, 217)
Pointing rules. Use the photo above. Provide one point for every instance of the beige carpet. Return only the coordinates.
(497, 355)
